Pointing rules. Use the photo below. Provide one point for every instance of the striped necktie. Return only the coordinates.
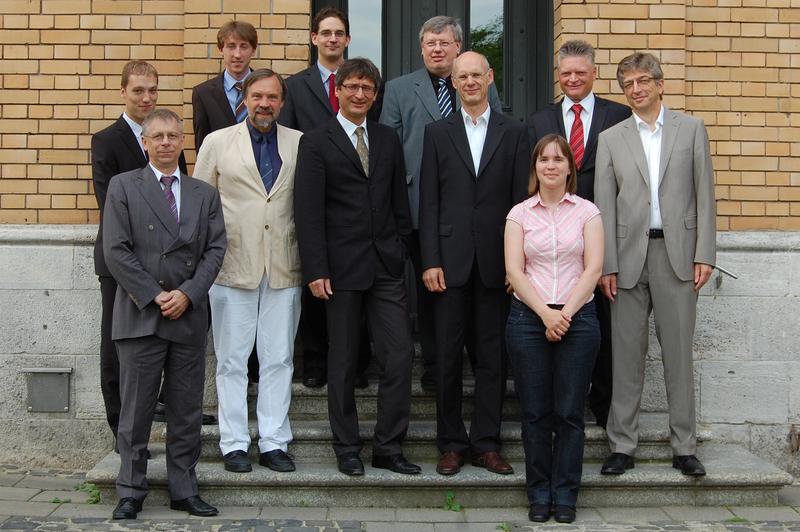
(576, 136)
(241, 110)
(443, 97)
(167, 181)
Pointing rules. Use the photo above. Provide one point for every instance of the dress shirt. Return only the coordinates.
(586, 115)
(137, 131)
(553, 244)
(271, 138)
(176, 184)
(350, 129)
(232, 94)
(476, 134)
(325, 74)
(651, 143)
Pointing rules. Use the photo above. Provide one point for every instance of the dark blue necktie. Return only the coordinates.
(265, 164)
(443, 98)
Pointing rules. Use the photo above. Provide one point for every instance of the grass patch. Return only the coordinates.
(91, 490)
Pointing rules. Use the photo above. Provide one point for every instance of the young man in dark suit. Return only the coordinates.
(576, 75)
(474, 169)
(311, 102)
(352, 217)
(217, 103)
(163, 241)
(118, 148)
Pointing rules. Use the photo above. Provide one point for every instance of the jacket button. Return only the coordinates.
(266, 226)
(188, 263)
(150, 227)
(269, 199)
(163, 257)
(161, 283)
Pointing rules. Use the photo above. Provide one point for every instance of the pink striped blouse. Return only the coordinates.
(553, 243)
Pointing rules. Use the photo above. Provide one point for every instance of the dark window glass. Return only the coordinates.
(486, 29)
(366, 30)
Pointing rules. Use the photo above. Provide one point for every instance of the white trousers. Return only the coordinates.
(269, 318)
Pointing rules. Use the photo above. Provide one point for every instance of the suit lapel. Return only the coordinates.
(631, 135)
(313, 79)
(598, 120)
(154, 196)
(426, 95)
(219, 96)
(340, 140)
(557, 120)
(668, 137)
(494, 134)
(458, 135)
(190, 212)
(375, 146)
(130, 142)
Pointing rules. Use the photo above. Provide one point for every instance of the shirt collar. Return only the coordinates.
(587, 104)
(483, 116)
(136, 128)
(659, 120)
(229, 81)
(175, 173)
(259, 136)
(324, 72)
(349, 127)
(537, 200)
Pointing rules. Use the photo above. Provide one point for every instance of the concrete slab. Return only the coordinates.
(233, 512)
(28, 509)
(17, 494)
(73, 510)
(361, 514)
(73, 496)
(698, 513)
(495, 515)
(161, 512)
(760, 513)
(292, 512)
(790, 496)
(429, 515)
(586, 515)
(47, 483)
(399, 527)
(632, 515)
(9, 480)
(466, 527)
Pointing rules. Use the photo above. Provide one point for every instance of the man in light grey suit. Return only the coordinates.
(410, 103)
(654, 185)
(163, 241)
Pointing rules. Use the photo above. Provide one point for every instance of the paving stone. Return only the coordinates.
(429, 515)
(48, 483)
(74, 510)
(632, 515)
(17, 494)
(498, 515)
(291, 512)
(585, 515)
(233, 512)
(36, 509)
(161, 512)
(466, 527)
(362, 514)
(790, 496)
(73, 496)
(760, 513)
(399, 527)
(7, 479)
(697, 513)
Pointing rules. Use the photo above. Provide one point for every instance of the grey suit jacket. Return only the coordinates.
(685, 195)
(409, 104)
(147, 251)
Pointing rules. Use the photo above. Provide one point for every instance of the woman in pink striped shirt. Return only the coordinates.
(554, 257)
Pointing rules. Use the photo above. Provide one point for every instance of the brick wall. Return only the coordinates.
(735, 63)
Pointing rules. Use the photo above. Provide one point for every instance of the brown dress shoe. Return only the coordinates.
(493, 462)
(450, 463)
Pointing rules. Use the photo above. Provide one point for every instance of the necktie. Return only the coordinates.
(265, 164)
(576, 136)
(332, 93)
(443, 97)
(167, 181)
(362, 150)
(241, 111)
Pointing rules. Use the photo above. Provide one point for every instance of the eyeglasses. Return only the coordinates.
(444, 45)
(353, 88)
(327, 34)
(171, 137)
(471, 75)
(644, 82)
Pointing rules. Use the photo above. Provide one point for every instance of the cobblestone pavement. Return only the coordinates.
(47, 500)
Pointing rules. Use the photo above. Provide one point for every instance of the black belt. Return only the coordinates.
(655, 233)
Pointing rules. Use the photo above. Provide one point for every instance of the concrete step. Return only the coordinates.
(735, 477)
(312, 440)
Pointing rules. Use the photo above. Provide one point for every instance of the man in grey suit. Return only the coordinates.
(163, 241)
(654, 185)
(409, 104)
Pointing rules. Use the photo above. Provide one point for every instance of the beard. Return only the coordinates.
(262, 122)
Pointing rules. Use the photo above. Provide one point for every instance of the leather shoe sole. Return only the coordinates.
(617, 464)
(396, 463)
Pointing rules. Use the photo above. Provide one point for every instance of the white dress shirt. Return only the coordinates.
(651, 143)
(476, 134)
(350, 129)
(586, 115)
(176, 184)
(137, 130)
(325, 74)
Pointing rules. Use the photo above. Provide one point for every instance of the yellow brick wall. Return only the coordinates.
(735, 63)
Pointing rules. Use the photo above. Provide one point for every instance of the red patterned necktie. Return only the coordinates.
(576, 136)
(167, 180)
(332, 93)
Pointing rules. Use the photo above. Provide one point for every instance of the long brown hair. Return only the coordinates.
(563, 146)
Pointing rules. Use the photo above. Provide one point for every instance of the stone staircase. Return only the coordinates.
(735, 476)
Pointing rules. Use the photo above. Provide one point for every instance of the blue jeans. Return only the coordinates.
(551, 380)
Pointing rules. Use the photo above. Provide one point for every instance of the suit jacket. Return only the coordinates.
(550, 120)
(147, 251)
(114, 150)
(409, 104)
(260, 225)
(685, 195)
(342, 214)
(211, 109)
(463, 211)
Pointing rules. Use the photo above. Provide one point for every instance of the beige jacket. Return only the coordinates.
(260, 226)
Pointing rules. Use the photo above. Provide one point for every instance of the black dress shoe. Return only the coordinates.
(689, 465)
(361, 382)
(539, 513)
(237, 462)
(277, 460)
(208, 419)
(314, 380)
(350, 464)
(195, 506)
(617, 464)
(396, 463)
(127, 508)
(564, 514)
(160, 413)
